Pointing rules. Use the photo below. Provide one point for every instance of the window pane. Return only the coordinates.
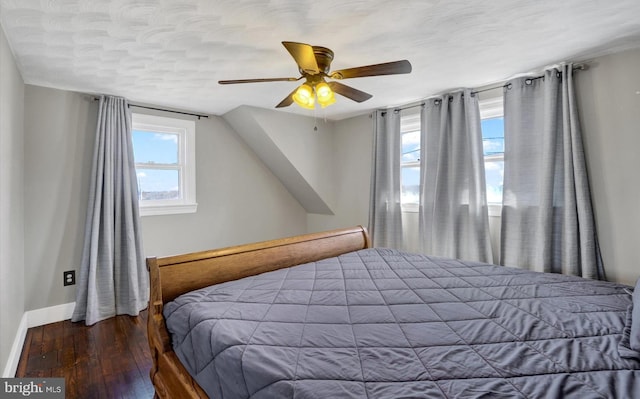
(410, 147)
(410, 158)
(493, 136)
(158, 184)
(410, 184)
(153, 147)
(493, 145)
(494, 173)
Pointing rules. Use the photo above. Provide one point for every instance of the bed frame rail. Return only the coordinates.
(174, 275)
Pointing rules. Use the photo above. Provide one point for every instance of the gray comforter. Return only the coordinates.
(379, 323)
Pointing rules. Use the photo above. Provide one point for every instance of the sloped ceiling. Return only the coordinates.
(270, 135)
(173, 52)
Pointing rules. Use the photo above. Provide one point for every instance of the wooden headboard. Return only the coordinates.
(174, 275)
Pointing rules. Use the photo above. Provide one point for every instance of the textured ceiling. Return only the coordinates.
(171, 53)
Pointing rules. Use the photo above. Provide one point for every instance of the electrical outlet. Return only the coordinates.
(69, 277)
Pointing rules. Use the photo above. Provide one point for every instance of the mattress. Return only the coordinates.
(381, 323)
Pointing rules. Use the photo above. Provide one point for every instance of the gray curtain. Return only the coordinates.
(385, 211)
(453, 209)
(113, 278)
(547, 217)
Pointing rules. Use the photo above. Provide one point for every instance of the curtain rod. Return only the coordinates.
(168, 110)
(577, 67)
(161, 109)
(396, 110)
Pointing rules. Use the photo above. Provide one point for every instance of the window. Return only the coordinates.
(410, 160)
(164, 152)
(492, 122)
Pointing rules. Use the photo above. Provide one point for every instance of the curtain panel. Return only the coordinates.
(385, 211)
(453, 212)
(113, 278)
(547, 216)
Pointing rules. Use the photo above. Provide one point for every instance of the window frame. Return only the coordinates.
(414, 126)
(489, 108)
(492, 108)
(186, 166)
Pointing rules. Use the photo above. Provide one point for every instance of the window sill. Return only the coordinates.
(157, 210)
(410, 208)
(495, 210)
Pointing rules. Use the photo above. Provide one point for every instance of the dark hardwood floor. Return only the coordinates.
(110, 359)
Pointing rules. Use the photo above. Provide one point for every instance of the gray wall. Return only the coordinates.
(309, 150)
(12, 287)
(58, 146)
(292, 149)
(239, 199)
(351, 149)
(609, 102)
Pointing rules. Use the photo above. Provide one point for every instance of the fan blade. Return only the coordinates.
(229, 82)
(388, 68)
(288, 100)
(349, 92)
(304, 56)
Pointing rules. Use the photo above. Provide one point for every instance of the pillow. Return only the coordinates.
(629, 346)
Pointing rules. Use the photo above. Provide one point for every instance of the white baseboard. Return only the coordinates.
(52, 314)
(34, 318)
(16, 349)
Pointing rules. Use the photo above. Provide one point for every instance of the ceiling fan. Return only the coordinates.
(314, 65)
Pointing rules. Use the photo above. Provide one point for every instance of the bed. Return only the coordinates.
(324, 315)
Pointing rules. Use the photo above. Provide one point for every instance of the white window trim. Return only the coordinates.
(491, 108)
(410, 207)
(186, 130)
(495, 209)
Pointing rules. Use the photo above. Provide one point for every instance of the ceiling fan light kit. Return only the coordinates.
(313, 64)
(304, 97)
(325, 94)
(307, 94)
